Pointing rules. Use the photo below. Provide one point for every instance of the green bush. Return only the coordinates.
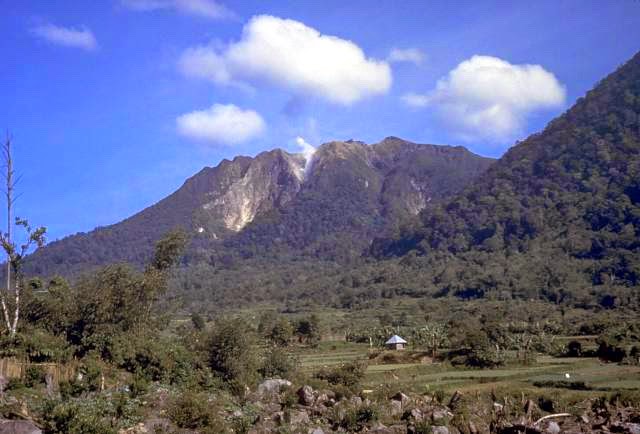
(348, 374)
(233, 354)
(278, 363)
(193, 411)
(34, 376)
(99, 415)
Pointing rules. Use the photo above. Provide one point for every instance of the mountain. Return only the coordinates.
(276, 204)
(557, 217)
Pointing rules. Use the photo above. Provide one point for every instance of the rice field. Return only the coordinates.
(424, 377)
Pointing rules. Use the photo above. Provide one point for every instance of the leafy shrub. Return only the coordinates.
(99, 415)
(233, 354)
(34, 375)
(191, 410)
(348, 374)
(278, 363)
(355, 419)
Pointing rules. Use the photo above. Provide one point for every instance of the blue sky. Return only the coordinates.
(112, 104)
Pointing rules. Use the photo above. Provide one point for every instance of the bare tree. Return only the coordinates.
(15, 253)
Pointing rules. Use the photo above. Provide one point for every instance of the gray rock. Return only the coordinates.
(298, 417)
(356, 400)
(18, 427)
(552, 428)
(404, 399)
(3, 383)
(315, 431)
(440, 415)
(632, 428)
(272, 386)
(306, 396)
(439, 429)
(416, 414)
(396, 407)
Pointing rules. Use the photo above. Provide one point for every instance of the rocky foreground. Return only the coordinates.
(276, 406)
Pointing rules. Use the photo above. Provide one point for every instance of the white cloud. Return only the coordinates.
(410, 55)
(221, 124)
(489, 98)
(415, 99)
(291, 55)
(66, 36)
(204, 8)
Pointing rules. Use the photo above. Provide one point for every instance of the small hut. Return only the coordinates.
(395, 342)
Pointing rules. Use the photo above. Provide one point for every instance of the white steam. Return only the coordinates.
(307, 152)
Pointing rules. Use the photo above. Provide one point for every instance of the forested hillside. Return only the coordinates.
(558, 216)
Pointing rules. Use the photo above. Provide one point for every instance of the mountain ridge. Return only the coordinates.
(218, 203)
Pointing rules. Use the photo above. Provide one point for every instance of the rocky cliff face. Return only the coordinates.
(349, 189)
(270, 180)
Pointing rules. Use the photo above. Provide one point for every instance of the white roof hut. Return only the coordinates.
(395, 342)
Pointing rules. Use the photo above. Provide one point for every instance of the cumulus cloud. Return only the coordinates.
(204, 8)
(410, 55)
(221, 124)
(66, 36)
(486, 97)
(291, 55)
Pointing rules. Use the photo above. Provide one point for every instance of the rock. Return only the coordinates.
(529, 407)
(396, 407)
(455, 399)
(315, 431)
(584, 418)
(632, 428)
(440, 415)
(497, 407)
(472, 428)
(157, 424)
(18, 427)
(552, 428)
(356, 400)
(401, 397)
(278, 417)
(416, 414)
(237, 413)
(322, 398)
(381, 429)
(3, 383)
(272, 386)
(306, 396)
(297, 417)
(138, 429)
(50, 385)
(439, 429)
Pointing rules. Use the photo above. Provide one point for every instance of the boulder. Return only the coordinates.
(306, 396)
(272, 386)
(4, 381)
(404, 399)
(297, 417)
(18, 427)
(439, 429)
(632, 428)
(440, 415)
(396, 407)
(552, 428)
(315, 431)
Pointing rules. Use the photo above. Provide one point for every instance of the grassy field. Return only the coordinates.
(598, 377)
